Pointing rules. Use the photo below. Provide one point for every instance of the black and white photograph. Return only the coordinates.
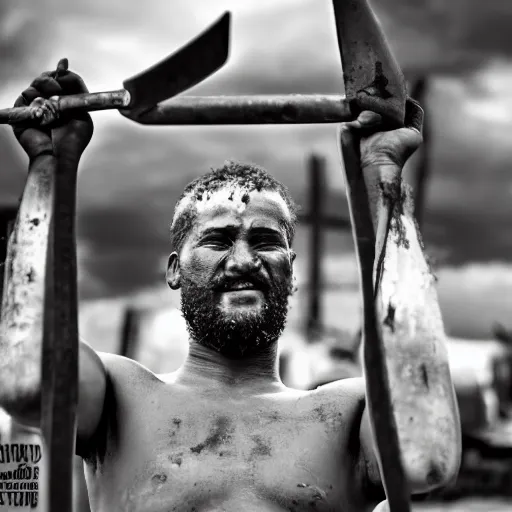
(256, 256)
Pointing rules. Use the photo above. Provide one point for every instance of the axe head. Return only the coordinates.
(183, 69)
(372, 76)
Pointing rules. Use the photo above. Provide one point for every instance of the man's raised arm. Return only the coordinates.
(409, 354)
(54, 149)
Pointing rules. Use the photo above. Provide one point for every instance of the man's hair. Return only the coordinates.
(248, 177)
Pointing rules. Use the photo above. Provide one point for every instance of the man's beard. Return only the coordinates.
(233, 334)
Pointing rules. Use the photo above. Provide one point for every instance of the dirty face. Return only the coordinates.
(235, 271)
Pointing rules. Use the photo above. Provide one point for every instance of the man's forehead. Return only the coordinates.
(223, 206)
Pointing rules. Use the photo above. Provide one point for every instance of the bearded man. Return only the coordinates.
(223, 433)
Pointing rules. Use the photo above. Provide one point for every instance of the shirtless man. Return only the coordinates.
(223, 433)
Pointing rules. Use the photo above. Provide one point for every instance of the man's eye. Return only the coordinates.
(268, 244)
(217, 241)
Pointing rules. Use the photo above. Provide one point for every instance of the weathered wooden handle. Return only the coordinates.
(377, 384)
(60, 345)
(207, 110)
(40, 319)
(258, 109)
(86, 101)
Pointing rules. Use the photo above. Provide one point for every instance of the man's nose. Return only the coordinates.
(242, 260)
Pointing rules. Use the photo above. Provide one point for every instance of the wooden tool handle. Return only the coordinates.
(378, 394)
(59, 400)
(86, 101)
(40, 320)
(257, 109)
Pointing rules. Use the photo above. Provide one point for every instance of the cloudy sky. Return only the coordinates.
(131, 175)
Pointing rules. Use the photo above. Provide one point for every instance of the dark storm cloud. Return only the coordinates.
(124, 248)
(22, 28)
(450, 36)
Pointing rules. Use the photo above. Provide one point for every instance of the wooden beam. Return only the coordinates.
(59, 397)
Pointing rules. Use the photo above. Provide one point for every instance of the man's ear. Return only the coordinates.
(293, 255)
(172, 275)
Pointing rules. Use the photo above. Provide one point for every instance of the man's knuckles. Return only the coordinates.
(71, 83)
(47, 86)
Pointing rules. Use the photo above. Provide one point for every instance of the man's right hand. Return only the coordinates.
(64, 136)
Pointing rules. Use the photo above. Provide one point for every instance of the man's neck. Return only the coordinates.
(256, 373)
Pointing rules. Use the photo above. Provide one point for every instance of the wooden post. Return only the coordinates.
(319, 220)
(316, 194)
(130, 333)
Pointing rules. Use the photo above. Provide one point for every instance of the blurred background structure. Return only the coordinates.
(457, 57)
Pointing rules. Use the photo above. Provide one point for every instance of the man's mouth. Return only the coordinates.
(240, 286)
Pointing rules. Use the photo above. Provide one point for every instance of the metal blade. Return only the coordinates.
(183, 69)
(372, 76)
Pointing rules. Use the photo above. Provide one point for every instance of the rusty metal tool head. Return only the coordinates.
(180, 71)
(373, 79)
(183, 69)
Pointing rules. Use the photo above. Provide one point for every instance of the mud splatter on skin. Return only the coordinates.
(219, 434)
(390, 317)
(261, 448)
(177, 459)
(172, 433)
(317, 494)
(327, 416)
(321, 414)
(274, 416)
(395, 195)
(31, 275)
(435, 476)
(424, 375)
(159, 479)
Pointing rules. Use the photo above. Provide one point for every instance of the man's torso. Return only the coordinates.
(166, 446)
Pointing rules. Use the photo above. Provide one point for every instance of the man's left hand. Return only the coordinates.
(393, 147)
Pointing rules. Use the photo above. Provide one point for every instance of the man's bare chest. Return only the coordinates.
(187, 448)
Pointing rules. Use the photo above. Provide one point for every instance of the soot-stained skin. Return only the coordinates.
(262, 448)
(203, 258)
(220, 434)
(176, 424)
(198, 444)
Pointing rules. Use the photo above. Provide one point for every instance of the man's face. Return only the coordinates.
(236, 271)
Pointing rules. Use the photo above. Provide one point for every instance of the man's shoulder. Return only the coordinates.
(346, 393)
(122, 369)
